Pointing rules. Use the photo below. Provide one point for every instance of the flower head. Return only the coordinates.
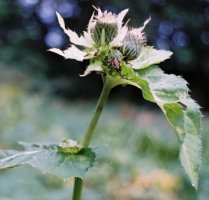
(133, 42)
(104, 28)
(108, 42)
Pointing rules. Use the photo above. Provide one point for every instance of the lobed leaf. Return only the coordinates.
(171, 94)
(48, 159)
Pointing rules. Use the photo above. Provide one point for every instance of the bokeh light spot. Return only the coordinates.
(28, 3)
(165, 28)
(54, 38)
(180, 39)
(66, 9)
(46, 12)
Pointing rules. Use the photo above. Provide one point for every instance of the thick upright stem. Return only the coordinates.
(78, 183)
(89, 133)
(101, 102)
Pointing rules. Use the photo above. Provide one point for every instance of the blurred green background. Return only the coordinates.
(42, 98)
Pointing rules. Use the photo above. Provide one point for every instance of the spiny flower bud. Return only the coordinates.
(114, 58)
(105, 25)
(132, 44)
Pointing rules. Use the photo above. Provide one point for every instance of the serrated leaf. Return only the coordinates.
(190, 157)
(165, 87)
(48, 159)
(175, 115)
(131, 78)
(171, 94)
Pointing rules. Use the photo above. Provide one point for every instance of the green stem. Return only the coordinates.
(78, 183)
(108, 84)
(101, 102)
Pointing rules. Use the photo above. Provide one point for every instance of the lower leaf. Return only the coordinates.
(49, 159)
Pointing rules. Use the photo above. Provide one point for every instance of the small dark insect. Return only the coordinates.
(114, 63)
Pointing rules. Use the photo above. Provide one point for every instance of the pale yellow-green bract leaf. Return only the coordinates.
(70, 53)
(120, 36)
(145, 23)
(122, 30)
(74, 38)
(93, 67)
(150, 56)
(120, 17)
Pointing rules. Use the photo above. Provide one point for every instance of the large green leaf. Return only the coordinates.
(48, 159)
(171, 94)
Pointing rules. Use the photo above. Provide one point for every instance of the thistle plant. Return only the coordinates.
(121, 56)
